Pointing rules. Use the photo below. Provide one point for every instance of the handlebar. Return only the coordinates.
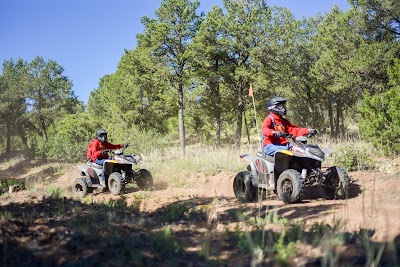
(288, 135)
(291, 136)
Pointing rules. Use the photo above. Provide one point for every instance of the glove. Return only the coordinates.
(279, 134)
(125, 145)
(312, 132)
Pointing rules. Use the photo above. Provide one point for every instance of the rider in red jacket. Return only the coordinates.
(275, 126)
(97, 150)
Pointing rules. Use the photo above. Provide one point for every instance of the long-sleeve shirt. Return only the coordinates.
(279, 124)
(96, 147)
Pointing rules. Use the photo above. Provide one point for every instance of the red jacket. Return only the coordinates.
(95, 147)
(281, 125)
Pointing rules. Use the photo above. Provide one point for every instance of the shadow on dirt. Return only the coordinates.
(64, 232)
(354, 189)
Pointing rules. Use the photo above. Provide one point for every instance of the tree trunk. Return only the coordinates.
(330, 114)
(44, 132)
(247, 127)
(311, 111)
(240, 108)
(8, 134)
(22, 135)
(181, 119)
(217, 103)
(337, 124)
(217, 116)
(340, 121)
(218, 127)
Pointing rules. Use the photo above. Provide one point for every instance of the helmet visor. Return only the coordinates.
(102, 137)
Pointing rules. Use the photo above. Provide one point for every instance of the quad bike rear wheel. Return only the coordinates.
(115, 183)
(144, 179)
(243, 188)
(79, 187)
(339, 184)
(290, 186)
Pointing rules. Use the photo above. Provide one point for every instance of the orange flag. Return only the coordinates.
(251, 90)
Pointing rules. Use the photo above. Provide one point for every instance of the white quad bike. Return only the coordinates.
(289, 172)
(118, 171)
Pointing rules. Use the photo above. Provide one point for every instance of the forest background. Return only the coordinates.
(187, 81)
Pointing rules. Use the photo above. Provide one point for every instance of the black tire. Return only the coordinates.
(243, 188)
(290, 186)
(115, 183)
(339, 184)
(79, 188)
(144, 179)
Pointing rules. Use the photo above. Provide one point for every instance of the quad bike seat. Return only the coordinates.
(266, 157)
(94, 165)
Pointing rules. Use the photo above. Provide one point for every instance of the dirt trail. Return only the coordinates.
(374, 200)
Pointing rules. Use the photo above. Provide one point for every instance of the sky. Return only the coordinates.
(88, 37)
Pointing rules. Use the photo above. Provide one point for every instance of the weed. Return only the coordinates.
(206, 245)
(321, 230)
(164, 243)
(175, 211)
(373, 251)
(5, 184)
(284, 250)
(269, 218)
(121, 205)
(55, 192)
(6, 216)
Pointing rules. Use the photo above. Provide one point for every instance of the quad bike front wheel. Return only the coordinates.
(144, 179)
(115, 183)
(290, 186)
(339, 184)
(79, 187)
(243, 188)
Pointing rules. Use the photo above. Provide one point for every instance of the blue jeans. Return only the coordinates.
(271, 149)
(100, 162)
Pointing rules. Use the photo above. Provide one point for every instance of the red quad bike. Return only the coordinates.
(118, 171)
(289, 172)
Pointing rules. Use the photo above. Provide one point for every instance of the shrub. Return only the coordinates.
(380, 115)
(5, 184)
(353, 158)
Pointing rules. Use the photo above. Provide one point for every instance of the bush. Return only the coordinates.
(353, 158)
(380, 123)
(67, 139)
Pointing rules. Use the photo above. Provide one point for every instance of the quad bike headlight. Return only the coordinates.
(315, 150)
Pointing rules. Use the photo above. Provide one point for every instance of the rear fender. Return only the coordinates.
(260, 169)
(83, 170)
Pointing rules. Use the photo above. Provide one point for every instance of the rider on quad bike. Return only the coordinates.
(111, 173)
(287, 163)
(98, 150)
(275, 127)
